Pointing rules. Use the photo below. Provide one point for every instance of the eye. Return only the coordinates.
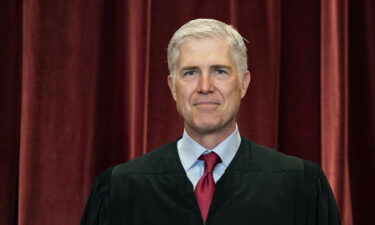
(220, 72)
(189, 73)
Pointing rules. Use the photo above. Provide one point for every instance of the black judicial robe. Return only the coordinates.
(260, 187)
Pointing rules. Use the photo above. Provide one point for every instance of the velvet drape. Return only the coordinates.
(83, 86)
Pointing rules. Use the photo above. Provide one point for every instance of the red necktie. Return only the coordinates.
(206, 185)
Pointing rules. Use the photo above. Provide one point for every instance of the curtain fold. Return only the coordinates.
(137, 53)
(361, 108)
(10, 98)
(83, 86)
(334, 101)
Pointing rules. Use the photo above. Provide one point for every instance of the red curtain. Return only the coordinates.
(83, 87)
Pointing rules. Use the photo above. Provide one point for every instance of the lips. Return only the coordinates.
(206, 103)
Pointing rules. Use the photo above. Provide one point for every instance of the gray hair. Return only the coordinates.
(208, 28)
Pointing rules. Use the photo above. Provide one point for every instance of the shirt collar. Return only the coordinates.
(190, 150)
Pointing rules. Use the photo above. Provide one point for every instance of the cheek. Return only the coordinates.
(233, 96)
(182, 99)
(184, 93)
(230, 89)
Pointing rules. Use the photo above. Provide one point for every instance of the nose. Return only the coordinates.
(205, 85)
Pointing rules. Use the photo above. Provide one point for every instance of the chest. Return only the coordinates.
(260, 197)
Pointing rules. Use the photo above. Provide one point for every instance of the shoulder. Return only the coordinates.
(159, 160)
(101, 186)
(268, 159)
(314, 176)
(151, 163)
(264, 158)
(156, 161)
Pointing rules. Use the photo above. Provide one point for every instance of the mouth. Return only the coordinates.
(206, 103)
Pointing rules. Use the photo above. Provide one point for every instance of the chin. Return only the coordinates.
(210, 125)
(206, 127)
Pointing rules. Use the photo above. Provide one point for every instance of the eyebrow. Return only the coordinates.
(215, 67)
(189, 68)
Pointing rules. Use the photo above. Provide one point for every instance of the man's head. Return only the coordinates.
(203, 29)
(208, 76)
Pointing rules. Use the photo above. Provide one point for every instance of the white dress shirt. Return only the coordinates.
(189, 152)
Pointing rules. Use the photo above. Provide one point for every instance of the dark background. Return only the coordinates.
(83, 87)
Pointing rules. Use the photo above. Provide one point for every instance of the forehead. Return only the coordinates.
(204, 52)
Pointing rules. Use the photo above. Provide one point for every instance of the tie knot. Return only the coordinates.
(210, 161)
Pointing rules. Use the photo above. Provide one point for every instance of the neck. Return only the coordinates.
(208, 139)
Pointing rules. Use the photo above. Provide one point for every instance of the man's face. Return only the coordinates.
(207, 88)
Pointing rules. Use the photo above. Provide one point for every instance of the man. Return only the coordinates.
(211, 175)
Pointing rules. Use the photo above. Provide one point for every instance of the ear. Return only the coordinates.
(171, 86)
(245, 83)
